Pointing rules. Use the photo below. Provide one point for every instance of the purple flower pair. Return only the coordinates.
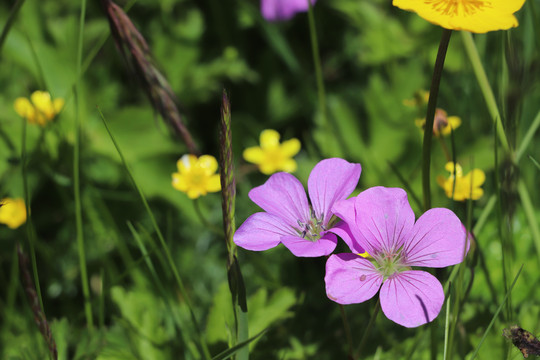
(378, 221)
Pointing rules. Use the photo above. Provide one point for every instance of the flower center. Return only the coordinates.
(390, 263)
(458, 7)
(312, 229)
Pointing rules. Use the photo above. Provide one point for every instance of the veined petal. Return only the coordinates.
(261, 231)
(412, 298)
(477, 16)
(331, 180)
(437, 240)
(351, 279)
(306, 248)
(343, 230)
(348, 231)
(384, 219)
(284, 196)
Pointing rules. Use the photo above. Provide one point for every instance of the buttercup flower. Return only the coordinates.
(40, 109)
(12, 212)
(289, 219)
(272, 156)
(478, 16)
(196, 176)
(381, 221)
(442, 124)
(466, 187)
(281, 10)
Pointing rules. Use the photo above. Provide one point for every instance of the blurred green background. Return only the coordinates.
(373, 57)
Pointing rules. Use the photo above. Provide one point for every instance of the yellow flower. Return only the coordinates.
(40, 109)
(272, 156)
(466, 187)
(442, 124)
(12, 212)
(478, 16)
(196, 176)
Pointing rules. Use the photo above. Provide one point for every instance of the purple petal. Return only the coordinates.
(351, 279)
(261, 231)
(343, 230)
(384, 219)
(437, 240)
(412, 298)
(284, 196)
(280, 10)
(306, 248)
(331, 180)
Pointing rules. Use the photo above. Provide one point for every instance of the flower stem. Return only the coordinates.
(318, 68)
(483, 82)
(432, 105)
(347, 331)
(368, 328)
(76, 179)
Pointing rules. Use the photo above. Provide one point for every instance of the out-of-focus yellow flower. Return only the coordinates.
(196, 176)
(40, 109)
(420, 99)
(442, 124)
(478, 16)
(273, 156)
(466, 187)
(12, 212)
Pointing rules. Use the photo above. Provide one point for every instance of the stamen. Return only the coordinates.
(458, 7)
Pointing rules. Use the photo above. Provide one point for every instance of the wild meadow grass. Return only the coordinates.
(138, 138)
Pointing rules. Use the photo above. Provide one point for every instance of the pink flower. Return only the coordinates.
(281, 10)
(289, 219)
(381, 221)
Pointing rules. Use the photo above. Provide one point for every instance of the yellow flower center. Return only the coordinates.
(457, 7)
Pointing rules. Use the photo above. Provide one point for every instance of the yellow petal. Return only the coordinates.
(58, 104)
(289, 166)
(478, 16)
(290, 147)
(213, 184)
(208, 164)
(179, 182)
(12, 212)
(23, 107)
(269, 139)
(268, 168)
(186, 163)
(253, 154)
(477, 177)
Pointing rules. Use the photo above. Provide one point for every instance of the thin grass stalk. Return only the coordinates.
(159, 285)
(530, 214)
(35, 303)
(483, 82)
(496, 314)
(321, 93)
(172, 265)
(348, 334)
(228, 194)
(9, 22)
(430, 117)
(428, 134)
(368, 329)
(528, 137)
(446, 323)
(76, 176)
